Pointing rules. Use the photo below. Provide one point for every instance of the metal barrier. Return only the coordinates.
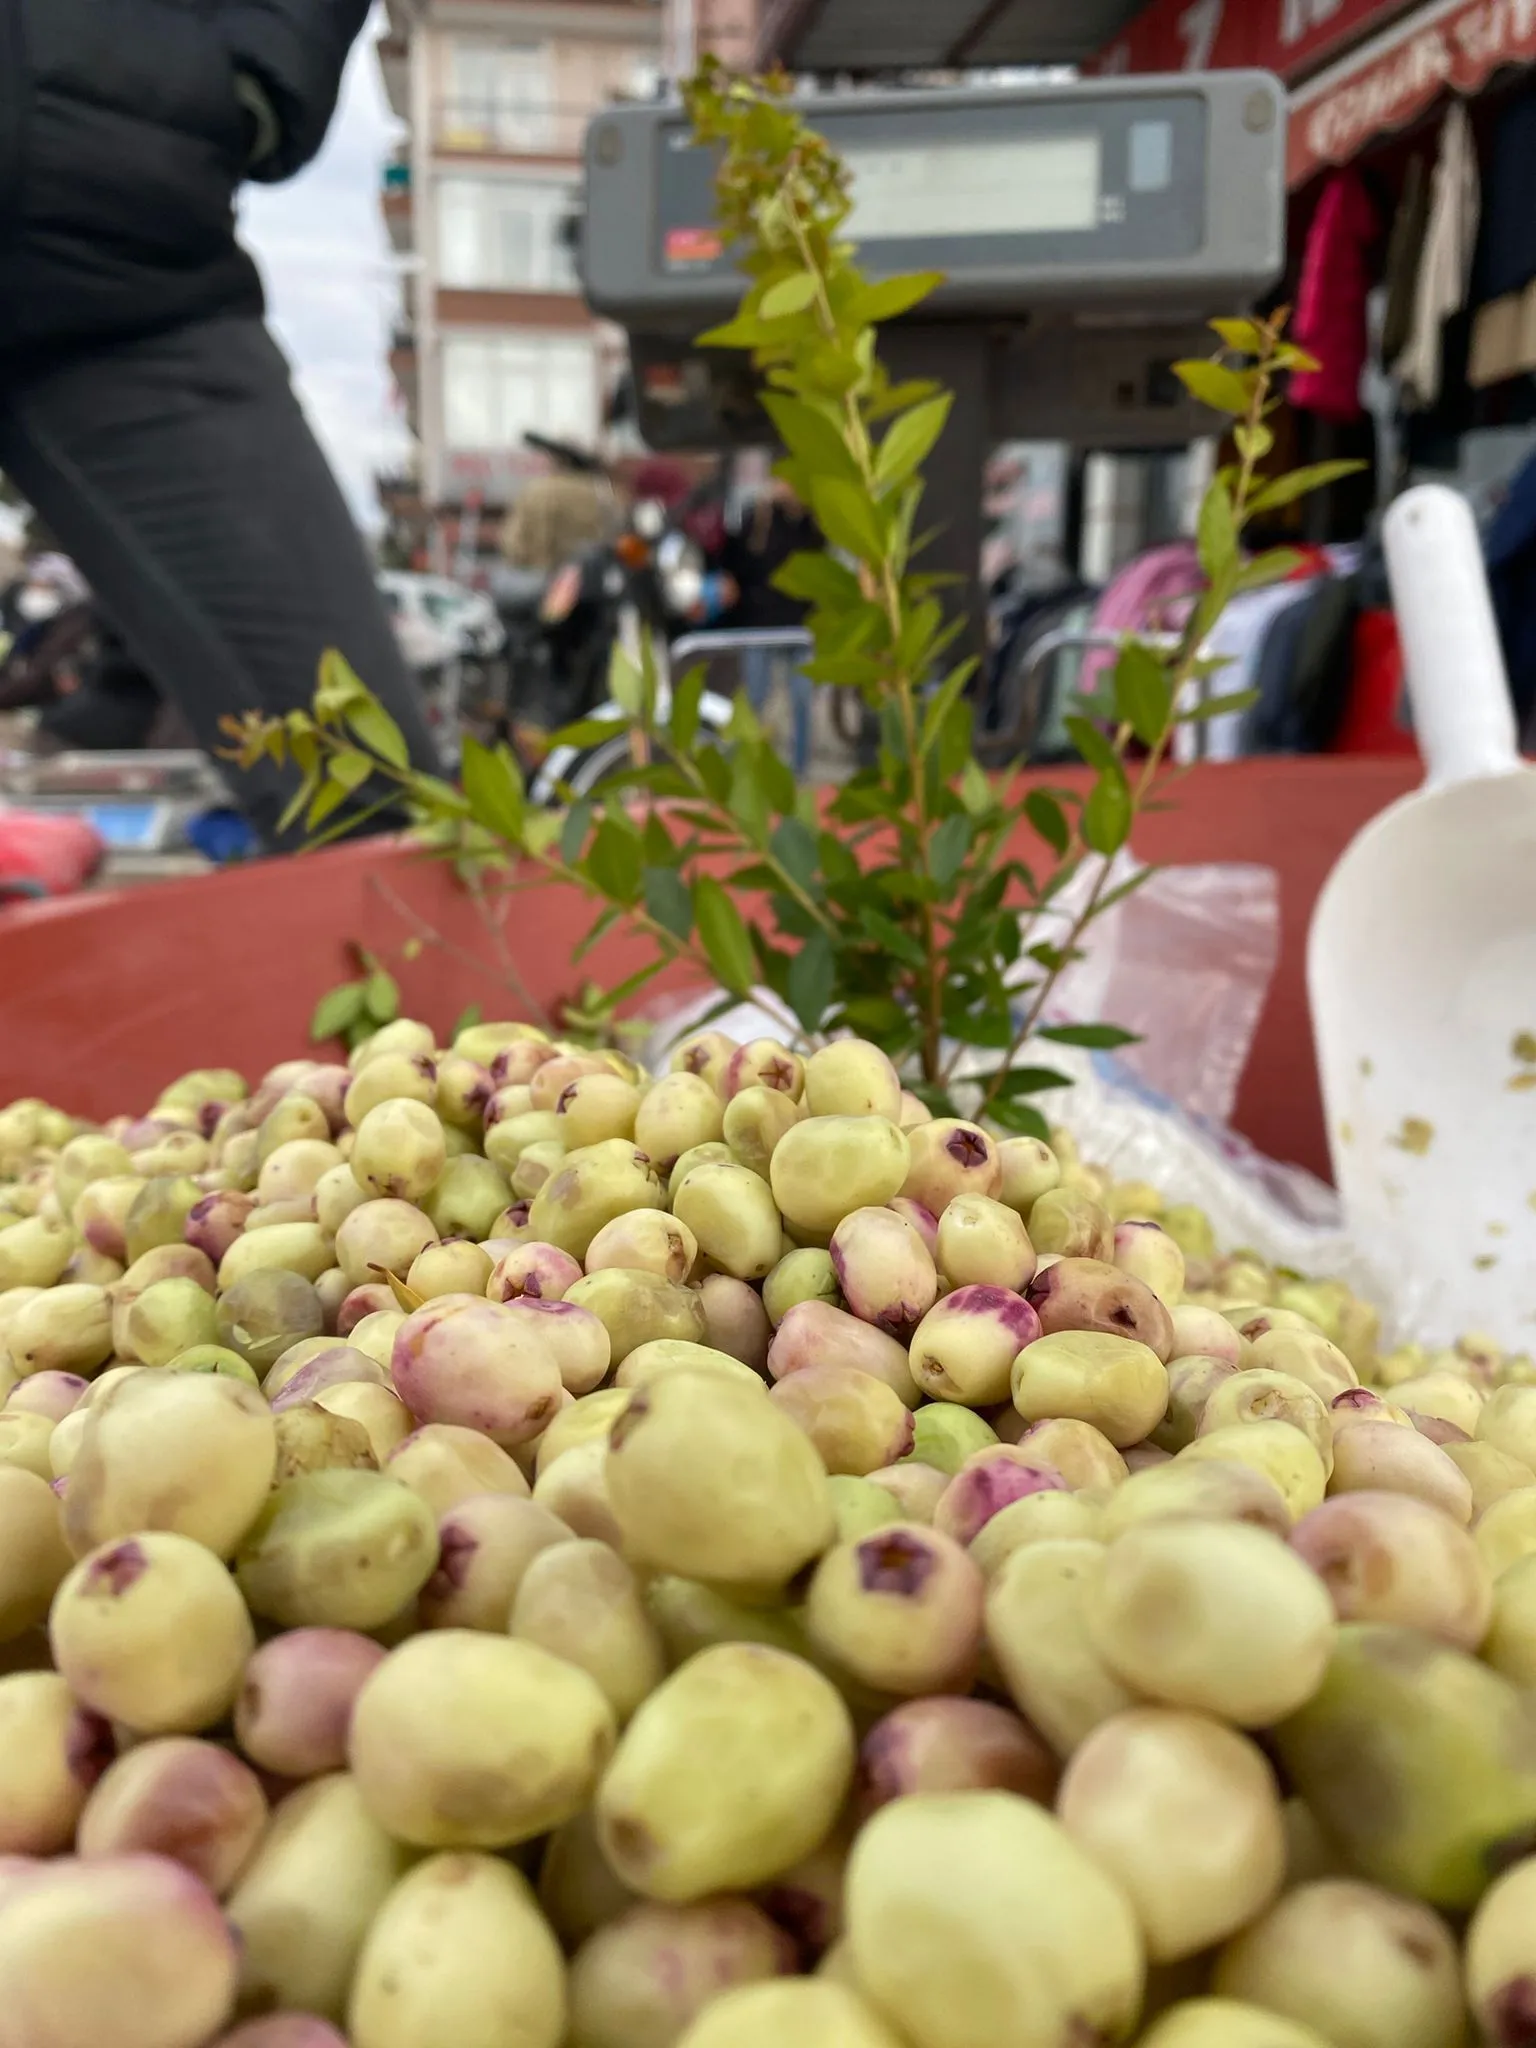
(793, 640)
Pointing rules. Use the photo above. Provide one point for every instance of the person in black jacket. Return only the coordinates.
(144, 409)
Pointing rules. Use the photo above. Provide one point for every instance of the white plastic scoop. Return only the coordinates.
(1422, 972)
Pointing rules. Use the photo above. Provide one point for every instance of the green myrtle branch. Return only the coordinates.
(903, 907)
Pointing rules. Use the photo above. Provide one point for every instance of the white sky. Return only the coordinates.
(324, 252)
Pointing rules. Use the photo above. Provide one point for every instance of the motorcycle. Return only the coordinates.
(652, 578)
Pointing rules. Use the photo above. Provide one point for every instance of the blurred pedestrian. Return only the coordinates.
(144, 409)
(557, 517)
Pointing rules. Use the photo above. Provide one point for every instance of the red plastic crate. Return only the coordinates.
(105, 998)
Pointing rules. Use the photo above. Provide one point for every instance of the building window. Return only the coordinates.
(498, 386)
(501, 96)
(505, 234)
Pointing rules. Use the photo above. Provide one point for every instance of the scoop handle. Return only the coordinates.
(1454, 663)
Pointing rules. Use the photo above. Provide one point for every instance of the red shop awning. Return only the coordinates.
(1289, 37)
(1448, 46)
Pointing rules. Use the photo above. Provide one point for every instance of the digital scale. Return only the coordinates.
(1087, 233)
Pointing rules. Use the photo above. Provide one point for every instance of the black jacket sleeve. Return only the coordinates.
(297, 50)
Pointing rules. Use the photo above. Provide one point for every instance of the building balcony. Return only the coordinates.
(397, 205)
(394, 52)
(498, 128)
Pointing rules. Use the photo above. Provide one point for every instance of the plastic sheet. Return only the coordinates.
(1186, 962)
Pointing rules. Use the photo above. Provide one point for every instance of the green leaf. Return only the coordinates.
(909, 440)
(656, 843)
(1223, 390)
(975, 790)
(740, 333)
(948, 848)
(849, 519)
(601, 926)
(1049, 820)
(885, 931)
(1022, 1118)
(789, 296)
(1143, 695)
(350, 768)
(778, 780)
(379, 733)
(668, 901)
(794, 848)
(1299, 483)
(1097, 1037)
(588, 732)
(818, 579)
(467, 1019)
(1217, 707)
(686, 697)
(613, 861)
(381, 997)
(1253, 443)
(723, 935)
(878, 1017)
(633, 983)
(303, 795)
(1276, 565)
(1217, 533)
(573, 837)
(1091, 743)
(1108, 813)
(892, 297)
(626, 685)
(1243, 337)
(810, 436)
(494, 789)
(812, 978)
(1029, 1081)
(340, 686)
(837, 863)
(941, 701)
(749, 793)
(715, 771)
(337, 1011)
(328, 798)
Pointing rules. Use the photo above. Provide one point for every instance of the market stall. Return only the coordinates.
(862, 1517)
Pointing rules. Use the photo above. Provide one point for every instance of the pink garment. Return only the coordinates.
(1336, 280)
(1152, 594)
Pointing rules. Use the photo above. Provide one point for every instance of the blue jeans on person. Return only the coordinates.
(759, 667)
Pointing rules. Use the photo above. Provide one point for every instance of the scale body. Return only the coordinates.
(1086, 233)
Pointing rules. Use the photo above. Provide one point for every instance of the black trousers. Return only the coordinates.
(180, 474)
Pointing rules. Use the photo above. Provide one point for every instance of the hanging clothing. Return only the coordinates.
(1506, 256)
(1405, 256)
(1237, 640)
(1509, 548)
(1445, 270)
(1336, 278)
(1152, 594)
(1504, 285)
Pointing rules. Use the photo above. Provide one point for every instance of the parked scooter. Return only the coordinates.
(651, 576)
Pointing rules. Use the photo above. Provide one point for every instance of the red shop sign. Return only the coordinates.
(1454, 47)
(1290, 37)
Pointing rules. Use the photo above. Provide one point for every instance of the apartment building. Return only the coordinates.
(494, 338)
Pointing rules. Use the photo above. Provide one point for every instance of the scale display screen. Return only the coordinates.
(1050, 185)
(1117, 192)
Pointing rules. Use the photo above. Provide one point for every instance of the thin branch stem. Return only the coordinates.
(857, 441)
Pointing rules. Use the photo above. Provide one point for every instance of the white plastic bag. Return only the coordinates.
(1185, 962)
